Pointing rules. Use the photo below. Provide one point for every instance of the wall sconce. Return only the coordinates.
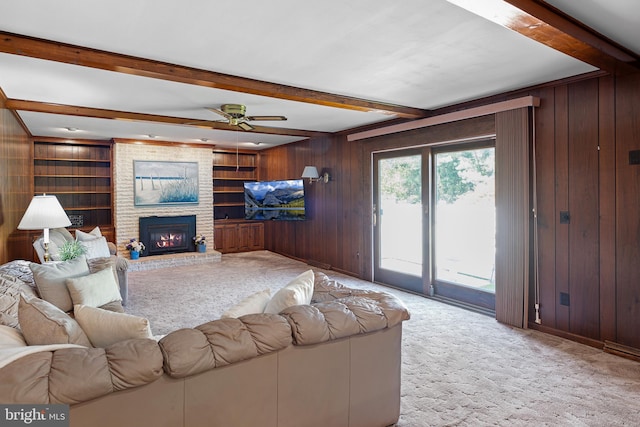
(311, 172)
(44, 212)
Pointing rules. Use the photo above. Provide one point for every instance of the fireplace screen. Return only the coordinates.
(167, 235)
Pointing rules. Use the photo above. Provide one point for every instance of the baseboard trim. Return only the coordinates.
(622, 350)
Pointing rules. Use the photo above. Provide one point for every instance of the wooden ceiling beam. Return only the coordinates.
(541, 22)
(73, 110)
(77, 55)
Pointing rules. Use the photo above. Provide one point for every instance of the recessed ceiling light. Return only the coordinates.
(70, 129)
(204, 139)
(152, 136)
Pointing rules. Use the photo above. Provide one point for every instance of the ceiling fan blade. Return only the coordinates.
(245, 126)
(265, 118)
(229, 117)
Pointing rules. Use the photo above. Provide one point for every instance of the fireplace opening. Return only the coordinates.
(167, 234)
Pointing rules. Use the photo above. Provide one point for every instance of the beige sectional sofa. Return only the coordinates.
(333, 362)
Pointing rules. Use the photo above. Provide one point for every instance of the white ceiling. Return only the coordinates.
(414, 53)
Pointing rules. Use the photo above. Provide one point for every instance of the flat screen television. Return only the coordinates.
(274, 200)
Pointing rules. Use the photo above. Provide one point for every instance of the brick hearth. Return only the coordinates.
(173, 260)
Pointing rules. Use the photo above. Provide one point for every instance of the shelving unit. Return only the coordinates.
(79, 174)
(231, 170)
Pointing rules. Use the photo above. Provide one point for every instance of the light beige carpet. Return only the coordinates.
(459, 368)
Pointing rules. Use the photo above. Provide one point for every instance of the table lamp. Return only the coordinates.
(44, 212)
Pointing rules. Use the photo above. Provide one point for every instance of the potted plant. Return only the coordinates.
(71, 249)
(135, 248)
(201, 244)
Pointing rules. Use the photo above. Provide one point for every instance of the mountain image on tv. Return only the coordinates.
(277, 200)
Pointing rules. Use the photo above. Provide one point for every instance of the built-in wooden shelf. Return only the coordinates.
(79, 174)
(231, 169)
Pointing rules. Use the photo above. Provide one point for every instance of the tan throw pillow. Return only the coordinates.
(297, 292)
(95, 289)
(255, 303)
(107, 327)
(43, 323)
(51, 280)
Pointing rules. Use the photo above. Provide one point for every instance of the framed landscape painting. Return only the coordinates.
(165, 183)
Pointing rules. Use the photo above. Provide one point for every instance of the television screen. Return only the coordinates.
(277, 200)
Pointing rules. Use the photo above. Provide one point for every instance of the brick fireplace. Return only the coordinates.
(127, 215)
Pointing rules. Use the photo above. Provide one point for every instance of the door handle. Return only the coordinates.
(374, 216)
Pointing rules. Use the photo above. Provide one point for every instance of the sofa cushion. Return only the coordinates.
(255, 303)
(107, 327)
(222, 342)
(51, 280)
(10, 290)
(296, 292)
(94, 289)
(43, 323)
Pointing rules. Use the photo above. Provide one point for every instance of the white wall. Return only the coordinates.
(126, 214)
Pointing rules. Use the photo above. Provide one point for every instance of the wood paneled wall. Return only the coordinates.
(16, 183)
(584, 132)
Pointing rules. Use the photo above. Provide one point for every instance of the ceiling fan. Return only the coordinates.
(235, 115)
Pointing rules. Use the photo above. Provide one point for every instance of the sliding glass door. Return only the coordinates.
(434, 221)
(399, 221)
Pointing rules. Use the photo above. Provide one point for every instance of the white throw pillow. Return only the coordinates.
(255, 303)
(297, 292)
(95, 289)
(105, 327)
(96, 248)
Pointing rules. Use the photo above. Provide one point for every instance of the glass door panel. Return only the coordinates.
(398, 216)
(464, 224)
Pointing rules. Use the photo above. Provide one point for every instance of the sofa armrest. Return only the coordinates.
(222, 342)
(74, 375)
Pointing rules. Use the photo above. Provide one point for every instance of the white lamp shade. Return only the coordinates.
(310, 172)
(44, 212)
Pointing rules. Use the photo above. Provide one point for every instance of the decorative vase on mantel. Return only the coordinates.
(201, 248)
(135, 254)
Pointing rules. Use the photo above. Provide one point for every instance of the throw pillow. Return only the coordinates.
(96, 248)
(11, 288)
(43, 323)
(297, 292)
(84, 236)
(11, 337)
(51, 280)
(95, 289)
(255, 303)
(107, 327)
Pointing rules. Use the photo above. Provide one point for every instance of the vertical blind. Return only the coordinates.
(513, 215)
